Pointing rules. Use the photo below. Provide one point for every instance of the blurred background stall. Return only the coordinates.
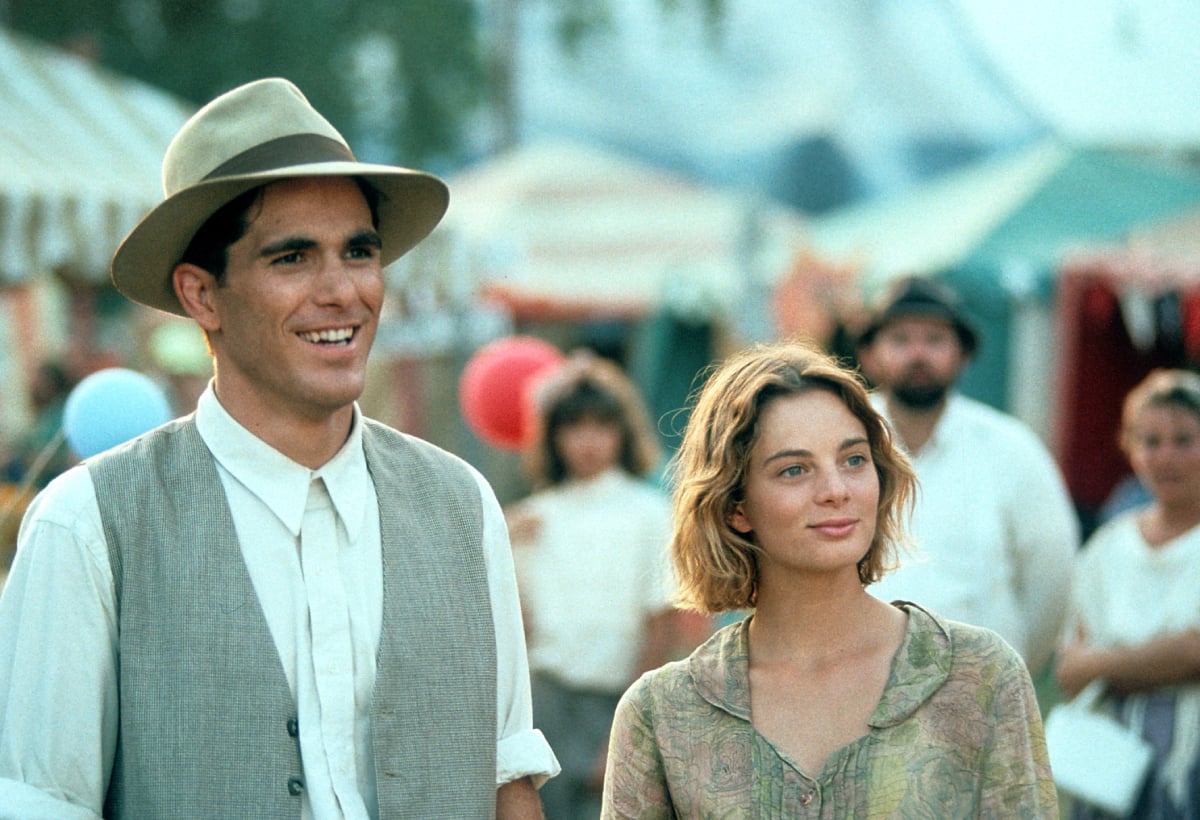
(660, 182)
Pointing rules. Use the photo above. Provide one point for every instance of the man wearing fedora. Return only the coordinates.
(275, 606)
(994, 528)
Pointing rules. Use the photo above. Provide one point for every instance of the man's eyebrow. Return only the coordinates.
(289, 245)
(365, 238)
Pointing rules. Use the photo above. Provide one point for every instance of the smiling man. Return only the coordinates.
(275, 606)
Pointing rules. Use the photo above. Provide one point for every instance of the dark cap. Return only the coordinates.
(919, 297)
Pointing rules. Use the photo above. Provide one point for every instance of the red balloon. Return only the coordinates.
(493, 392)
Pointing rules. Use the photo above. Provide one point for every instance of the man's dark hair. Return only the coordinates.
(210, 245)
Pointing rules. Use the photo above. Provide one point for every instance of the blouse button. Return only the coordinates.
(806, 798)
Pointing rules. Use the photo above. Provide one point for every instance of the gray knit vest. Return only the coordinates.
(207, 720)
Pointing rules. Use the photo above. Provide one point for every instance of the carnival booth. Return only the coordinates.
(80, 156)
(1122, 310)
(80, 153)
(584, 246)
(999, 233)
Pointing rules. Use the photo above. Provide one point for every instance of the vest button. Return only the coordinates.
(293, 727)
(295, 786)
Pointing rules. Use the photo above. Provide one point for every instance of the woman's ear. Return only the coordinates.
(736, 518)
(194, 287)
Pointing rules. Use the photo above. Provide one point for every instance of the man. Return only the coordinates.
(275, 607)
(994, 528)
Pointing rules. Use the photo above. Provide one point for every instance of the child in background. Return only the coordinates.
(590, 551)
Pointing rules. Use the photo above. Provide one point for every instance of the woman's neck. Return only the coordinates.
(815, 621)
(1162, 523)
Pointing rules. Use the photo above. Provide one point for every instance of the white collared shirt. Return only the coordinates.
(994, 529)
(58, 640)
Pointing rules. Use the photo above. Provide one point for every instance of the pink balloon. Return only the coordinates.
(493, 392)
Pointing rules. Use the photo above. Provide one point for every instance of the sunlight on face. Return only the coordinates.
(811, 493)
(1164, 450)
(589, 446)
(297, 313)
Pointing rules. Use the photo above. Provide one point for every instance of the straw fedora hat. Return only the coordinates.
(257, 133)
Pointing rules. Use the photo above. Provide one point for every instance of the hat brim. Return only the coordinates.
(411, 204)
(967, 336)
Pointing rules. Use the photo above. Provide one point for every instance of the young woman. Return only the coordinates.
(1135, 610)
(824, 702)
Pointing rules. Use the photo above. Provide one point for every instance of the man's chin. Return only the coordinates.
(920, 398)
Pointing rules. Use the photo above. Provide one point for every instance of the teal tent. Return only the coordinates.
(1000, 231)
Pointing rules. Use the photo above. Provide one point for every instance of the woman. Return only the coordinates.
(825, 701)
(1135, 609)
(590, 550)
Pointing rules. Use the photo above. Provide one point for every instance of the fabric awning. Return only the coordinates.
(559, 226)
(80, 156)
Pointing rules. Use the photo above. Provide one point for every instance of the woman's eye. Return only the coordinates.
(792, 471)
(857, 460)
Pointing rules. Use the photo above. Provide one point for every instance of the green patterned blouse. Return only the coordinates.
(956, 734)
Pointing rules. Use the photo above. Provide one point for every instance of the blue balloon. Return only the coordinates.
(110, 407)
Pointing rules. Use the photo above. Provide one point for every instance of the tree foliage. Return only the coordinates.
(398, 76)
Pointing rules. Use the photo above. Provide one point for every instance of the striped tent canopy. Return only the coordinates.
(80, 156)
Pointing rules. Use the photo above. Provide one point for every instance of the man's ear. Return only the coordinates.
(195, 288)
(736, 518)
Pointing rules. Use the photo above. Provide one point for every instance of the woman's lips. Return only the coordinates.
(835, 527)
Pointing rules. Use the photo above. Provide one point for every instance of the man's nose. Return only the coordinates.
(336, 281)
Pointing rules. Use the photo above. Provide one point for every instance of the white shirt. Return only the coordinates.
(58, 638)
(596, 570)
(994, 528)
(1126, 592)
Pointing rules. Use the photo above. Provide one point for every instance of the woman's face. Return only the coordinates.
(588, 446)
(1164, 450)
(811, 493)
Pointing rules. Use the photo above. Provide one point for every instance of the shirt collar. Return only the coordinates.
(611, 477)
(943, 430)
(721, 668)
(278, 482)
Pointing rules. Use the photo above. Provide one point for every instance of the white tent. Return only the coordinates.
(80, 156)
(567, 226)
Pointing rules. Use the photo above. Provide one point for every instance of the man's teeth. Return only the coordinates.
(328, 336)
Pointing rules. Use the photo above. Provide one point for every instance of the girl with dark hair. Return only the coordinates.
(590, 550)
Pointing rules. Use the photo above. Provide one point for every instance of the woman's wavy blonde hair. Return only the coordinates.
(716, 566)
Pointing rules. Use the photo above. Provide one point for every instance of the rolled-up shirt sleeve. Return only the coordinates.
(521, 750)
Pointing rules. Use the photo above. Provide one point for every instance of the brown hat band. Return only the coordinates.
(283, 152)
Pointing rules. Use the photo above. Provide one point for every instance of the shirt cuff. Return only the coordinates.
(525, 754)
